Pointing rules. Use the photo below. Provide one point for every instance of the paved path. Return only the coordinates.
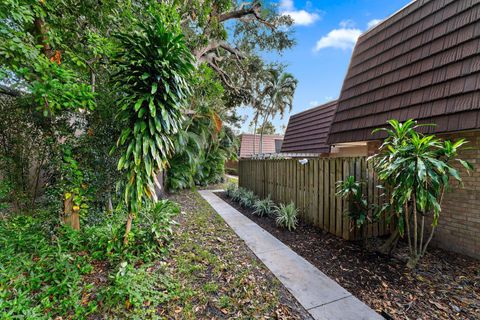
(322, 297)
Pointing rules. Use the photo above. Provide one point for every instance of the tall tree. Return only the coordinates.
(228, 35)
(269, 128)
(280, 88)
(154, 70)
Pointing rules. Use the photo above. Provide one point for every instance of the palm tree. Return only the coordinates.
(280, 88)
(258, 100)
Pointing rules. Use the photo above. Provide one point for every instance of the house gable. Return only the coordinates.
(307, 131)
(421, 63)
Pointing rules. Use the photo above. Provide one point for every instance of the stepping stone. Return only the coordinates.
(322, 297)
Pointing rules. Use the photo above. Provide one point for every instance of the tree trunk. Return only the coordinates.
(109, 204)
(263, 127)
(390, 244)
(71, 217)
(128, 228)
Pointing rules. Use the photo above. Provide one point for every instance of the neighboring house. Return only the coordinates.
(250, 145)
(422, 63)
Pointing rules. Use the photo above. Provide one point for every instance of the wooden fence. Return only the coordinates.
(312, 188)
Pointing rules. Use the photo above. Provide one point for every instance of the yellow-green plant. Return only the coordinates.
(154, 69)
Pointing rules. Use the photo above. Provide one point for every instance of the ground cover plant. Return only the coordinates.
(444, 285)
(50, 270)
(263, 207)
(286, 215)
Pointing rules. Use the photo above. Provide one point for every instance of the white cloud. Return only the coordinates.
(313, 103)
(373, 23)
(300, 17)
(342, 38)
(286, 5)
(347, 23)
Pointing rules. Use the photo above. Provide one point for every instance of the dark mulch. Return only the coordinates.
(445, 285)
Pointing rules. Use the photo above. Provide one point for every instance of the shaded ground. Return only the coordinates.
(219, 276)
(444, 286)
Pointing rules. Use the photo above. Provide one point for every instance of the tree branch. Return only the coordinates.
(246, 9)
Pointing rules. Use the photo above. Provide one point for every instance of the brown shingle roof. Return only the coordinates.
(307, 131)
(246, 144)
(421, 63)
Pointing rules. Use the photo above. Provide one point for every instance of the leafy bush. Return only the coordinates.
(358, 204)
(238, 194)
(39, 276)
(43, 266)
(263, 207)
(420, 168)
(248, 199)
(287, 216)
(154, 230)
(230, 189)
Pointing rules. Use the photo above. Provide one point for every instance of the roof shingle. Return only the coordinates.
(422, 63)
(307, 131)
(247, 144)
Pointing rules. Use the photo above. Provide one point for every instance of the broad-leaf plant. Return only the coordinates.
(154, 69)
(418, 169)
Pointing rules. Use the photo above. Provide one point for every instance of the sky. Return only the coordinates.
(326, 32)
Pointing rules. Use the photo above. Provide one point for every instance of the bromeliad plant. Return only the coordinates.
(418, 168)
(153, 75)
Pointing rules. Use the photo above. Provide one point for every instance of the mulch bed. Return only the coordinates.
(445, 285)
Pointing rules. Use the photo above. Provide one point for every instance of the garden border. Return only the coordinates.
(300, 277)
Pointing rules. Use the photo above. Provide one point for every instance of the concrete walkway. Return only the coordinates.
(322, 297)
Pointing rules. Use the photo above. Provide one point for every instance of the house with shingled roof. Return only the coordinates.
(250, 144)
(421, 63)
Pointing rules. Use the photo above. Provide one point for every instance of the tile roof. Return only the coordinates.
(307, 131)
(269, 144)
(421, 63)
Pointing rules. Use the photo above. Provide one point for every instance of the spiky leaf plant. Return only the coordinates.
(287, 216)
(418, 168)
(248, 199)
(263, 207)
(230, 189)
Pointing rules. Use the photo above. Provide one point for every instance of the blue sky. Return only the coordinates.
(326, 31)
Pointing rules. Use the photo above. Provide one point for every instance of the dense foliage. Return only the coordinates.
(416, 170)
(419, 168)
(47, 270)
(79, 78)
(154, 81)
(286, 215)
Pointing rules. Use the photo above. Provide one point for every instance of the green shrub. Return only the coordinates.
(238, 194)
(287, 216)
(230, 189)
(154, 230)
(39, 275)
(43, 265)
(248, 199)
(263, 207)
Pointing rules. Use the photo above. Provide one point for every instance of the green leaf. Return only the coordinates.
(154, 88)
